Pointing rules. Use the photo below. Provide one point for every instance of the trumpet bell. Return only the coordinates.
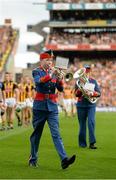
(68, 77)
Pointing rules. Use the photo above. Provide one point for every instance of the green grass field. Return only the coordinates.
(90, 164)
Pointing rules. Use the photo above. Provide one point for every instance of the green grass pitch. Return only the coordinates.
(90, 164)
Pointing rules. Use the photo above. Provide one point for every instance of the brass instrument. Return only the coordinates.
(59, 73)
(61, 65)
(81, 82)
(68, 77)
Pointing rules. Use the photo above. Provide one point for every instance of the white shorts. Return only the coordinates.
(68, 104)
(10, 102)
(74, 101)
(21, 105)
(29, 102)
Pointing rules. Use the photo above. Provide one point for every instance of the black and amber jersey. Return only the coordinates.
(25, 91)
(1, 91)
(9, 88)
(22, 92)
(29, 90)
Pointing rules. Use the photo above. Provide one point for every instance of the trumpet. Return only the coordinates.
(59, 73)
(68, 76)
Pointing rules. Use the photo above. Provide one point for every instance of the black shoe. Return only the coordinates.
(8, 128)
(33, 164)
(82, 146)
(3, 129)
(92, 146)
(67, 161)
(19, 124)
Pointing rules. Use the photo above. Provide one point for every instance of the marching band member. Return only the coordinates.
(11, 98)
(45, 108)
(86, 111)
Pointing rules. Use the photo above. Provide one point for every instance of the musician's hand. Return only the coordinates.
(60, 77)
(89, 93)
(96, 94)
(53, 71)
(58, 74)
(93, 94)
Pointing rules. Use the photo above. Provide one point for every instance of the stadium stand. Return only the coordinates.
(8, 37)
(82, 25)
(85, 32)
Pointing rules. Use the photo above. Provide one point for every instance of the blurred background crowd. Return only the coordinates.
(85, 38)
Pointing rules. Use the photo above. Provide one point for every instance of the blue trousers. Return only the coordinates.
(84, 114)
(39, 119)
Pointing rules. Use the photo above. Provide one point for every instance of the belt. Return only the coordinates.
(41, 97)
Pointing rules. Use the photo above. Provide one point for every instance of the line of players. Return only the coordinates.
(15, 99)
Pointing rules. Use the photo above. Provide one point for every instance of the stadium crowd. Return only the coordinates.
(82, 15)
(67, 38)
(7, 39)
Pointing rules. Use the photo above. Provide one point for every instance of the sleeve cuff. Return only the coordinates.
(61, 83)
(95, 94)
(78, 92)
(45, 78)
